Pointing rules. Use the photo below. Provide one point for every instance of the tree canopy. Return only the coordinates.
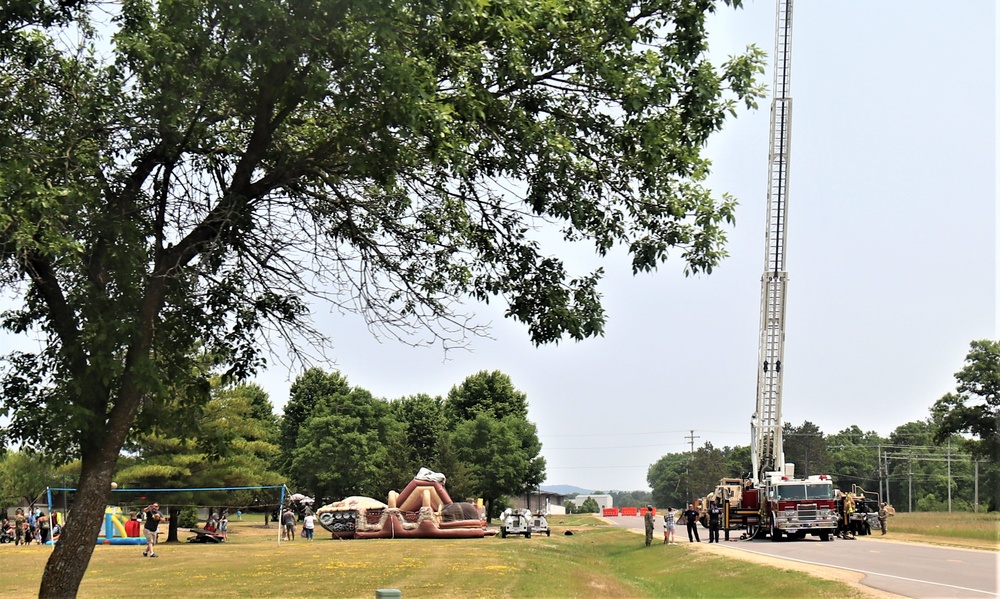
(975, 408)
(203, 170)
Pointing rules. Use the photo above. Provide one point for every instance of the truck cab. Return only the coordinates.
(797, 507)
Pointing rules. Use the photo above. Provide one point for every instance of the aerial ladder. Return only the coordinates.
(773, 502)
(767, 453)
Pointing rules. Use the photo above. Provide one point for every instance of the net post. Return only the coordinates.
(281, 514)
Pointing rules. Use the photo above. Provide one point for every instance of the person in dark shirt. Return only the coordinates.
(691, 517)
(288, 520)
(714, 522)
(151, 522)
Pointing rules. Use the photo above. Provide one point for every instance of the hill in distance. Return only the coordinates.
(565, 489)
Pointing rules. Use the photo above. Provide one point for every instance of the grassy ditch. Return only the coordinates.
(976, 530)
(596, 561)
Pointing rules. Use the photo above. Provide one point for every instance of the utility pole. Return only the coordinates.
(880, 472)
(887, 500)
(975, 504)
(691, 438)
(949, 476)
(687, 471)
(910, 493)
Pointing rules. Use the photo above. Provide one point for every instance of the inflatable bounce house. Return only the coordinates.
(422, 510)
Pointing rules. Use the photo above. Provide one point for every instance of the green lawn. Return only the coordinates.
(596, 561)
(966, 529)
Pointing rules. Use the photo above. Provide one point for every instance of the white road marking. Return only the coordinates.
(917, 580)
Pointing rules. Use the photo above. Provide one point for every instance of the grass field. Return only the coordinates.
(964, 529)
(596, 561)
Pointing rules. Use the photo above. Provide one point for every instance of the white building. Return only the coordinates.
(602, 500)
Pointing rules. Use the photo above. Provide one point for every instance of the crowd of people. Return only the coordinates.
(28, 527)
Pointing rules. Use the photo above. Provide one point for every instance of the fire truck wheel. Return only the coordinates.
(824, 536)
(503, 532)
(775, 533)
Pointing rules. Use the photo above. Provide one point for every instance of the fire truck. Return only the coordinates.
(772, 501)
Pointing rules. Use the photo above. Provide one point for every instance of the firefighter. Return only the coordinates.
(848, 510)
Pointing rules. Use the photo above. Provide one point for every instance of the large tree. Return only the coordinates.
(805, 446)
(24, 475)
(350, 445)
(309, 389)
(975, 408)
(201, 173)
(490, 393)
(971, 415)
(503, 456)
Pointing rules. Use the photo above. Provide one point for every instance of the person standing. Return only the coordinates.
(714, 522)
(883, 516)
(151, 522)
(42, 521)
(288, 521)
(669, 523)
(308, 526)
(18, 526)
(648, 517)
(224, 526)
(691, 516)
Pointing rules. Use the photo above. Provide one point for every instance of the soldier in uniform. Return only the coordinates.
(649, 525)
(883, 515)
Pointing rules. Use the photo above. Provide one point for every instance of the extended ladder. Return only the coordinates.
(767, 451)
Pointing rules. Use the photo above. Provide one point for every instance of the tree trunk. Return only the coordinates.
(68, 561)
(172, 524)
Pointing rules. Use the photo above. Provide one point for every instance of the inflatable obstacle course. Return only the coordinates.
(422, 510)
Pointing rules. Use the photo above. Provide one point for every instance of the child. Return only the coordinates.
(668, 527)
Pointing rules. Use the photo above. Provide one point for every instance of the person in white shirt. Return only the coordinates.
(308, 526)
(669, 522)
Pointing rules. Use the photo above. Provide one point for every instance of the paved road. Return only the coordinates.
(910, 570)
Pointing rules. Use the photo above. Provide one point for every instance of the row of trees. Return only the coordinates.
(337, 440)
(951, 459)
(917, 470)
(333, 441)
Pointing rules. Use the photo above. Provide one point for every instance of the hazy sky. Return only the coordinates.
(891, 254)
(892, 258)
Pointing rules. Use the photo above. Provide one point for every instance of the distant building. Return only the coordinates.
(541, 502)
(602, 500)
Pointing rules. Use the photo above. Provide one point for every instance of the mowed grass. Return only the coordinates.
(966, 529)
(596, 561)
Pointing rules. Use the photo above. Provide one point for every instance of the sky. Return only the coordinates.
(892, 260)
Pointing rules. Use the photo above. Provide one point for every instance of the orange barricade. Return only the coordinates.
(630, 511)
(609, 511)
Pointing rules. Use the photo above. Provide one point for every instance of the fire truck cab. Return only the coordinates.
(797, 507)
